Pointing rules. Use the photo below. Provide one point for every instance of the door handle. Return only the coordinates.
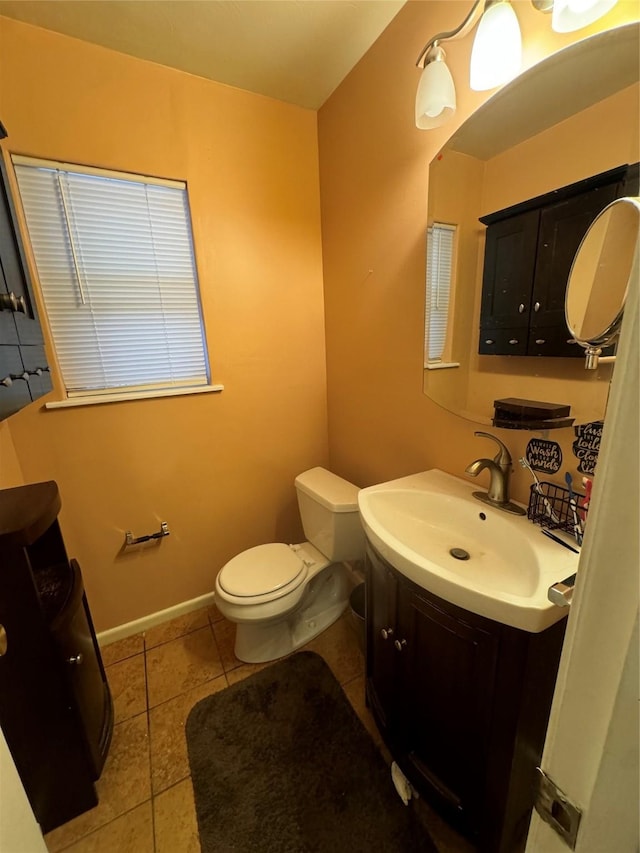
(11, 302)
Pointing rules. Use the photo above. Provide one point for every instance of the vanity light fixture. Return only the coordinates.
(496, 54)
(495, 59)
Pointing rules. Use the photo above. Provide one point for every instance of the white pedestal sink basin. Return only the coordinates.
(431, 529)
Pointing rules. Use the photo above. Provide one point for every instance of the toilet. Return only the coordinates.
(281, 596)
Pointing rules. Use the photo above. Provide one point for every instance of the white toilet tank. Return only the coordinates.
(329, 512)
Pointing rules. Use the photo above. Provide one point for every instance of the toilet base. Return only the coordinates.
(325, 600)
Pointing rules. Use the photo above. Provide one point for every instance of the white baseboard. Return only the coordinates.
(120, 632)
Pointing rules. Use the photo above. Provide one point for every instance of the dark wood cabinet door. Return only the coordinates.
(507, 341)
(8, 330)
(562, 227)
(80, 658)
(509, 264)
(382, 658)
(450, 664)
(20, 330)
(35, 363)
(15, 395)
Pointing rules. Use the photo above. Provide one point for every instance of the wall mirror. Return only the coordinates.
(525, 141)
(600, 276)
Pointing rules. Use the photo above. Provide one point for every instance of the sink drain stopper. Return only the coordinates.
(459, 553)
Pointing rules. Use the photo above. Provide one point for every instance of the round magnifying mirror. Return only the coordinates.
(605, 263)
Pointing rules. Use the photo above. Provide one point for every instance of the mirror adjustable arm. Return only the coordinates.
(502, 457)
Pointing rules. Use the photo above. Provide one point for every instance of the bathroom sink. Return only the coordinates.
(431, 529)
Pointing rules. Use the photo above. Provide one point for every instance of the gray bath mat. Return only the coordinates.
(281, 763)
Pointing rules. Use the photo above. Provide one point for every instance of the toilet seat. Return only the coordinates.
(262, 574)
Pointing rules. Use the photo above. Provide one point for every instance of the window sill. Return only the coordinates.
(96, 399)
(442, 365)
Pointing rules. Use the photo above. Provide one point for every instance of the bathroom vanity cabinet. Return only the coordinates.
(462, 703)
(56, 711)
(529, 250)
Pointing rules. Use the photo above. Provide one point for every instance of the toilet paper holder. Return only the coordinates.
(129, 538)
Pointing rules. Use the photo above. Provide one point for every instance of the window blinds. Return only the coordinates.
(438, 289)
(116, 266)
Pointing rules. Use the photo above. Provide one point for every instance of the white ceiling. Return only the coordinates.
(297, 51)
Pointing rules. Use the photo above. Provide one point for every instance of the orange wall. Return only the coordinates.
(219, 468)
(374, 174)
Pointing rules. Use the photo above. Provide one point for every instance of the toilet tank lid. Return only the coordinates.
(331, 491)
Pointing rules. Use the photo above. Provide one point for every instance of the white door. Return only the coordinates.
(591, 750)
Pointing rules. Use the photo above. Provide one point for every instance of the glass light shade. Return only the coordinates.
(569, 15)
(496, 56)
(436, 95)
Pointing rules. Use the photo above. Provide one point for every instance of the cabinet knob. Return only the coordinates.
(76, 659)
(540, 341)
(536, 306)
(386, 633)
(400, 644)
(11, 302)
(489, 341)
(521, 308)
(513, 341)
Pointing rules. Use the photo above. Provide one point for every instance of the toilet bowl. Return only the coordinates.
(281, 596)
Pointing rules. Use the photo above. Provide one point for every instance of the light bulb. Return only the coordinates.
(496, 56)
(569, 15)
(436, 95)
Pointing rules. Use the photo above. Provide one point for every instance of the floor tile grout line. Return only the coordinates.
(178, 637)
(102, 826)
(146, 688)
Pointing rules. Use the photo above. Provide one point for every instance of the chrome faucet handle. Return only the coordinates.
(503, 457)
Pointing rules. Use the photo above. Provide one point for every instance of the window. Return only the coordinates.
(116, 266)
(440, 241)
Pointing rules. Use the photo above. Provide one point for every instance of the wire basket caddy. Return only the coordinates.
(549, 506)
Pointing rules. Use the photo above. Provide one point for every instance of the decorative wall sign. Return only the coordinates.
(544, 455)
(587, 446)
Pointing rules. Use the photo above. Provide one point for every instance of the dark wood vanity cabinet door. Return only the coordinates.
(509, 265)
(453, 663)
(562, 227)
(382, 671)
(462, 703)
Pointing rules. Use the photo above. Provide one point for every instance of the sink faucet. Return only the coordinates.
(499, 469)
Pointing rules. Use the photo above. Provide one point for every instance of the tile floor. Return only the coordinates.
(145, 794)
